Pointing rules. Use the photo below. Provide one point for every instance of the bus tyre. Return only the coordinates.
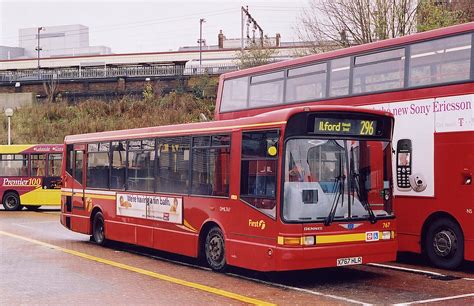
(215, 249)
(444, 244)
(33, 207)
(11, 201)
(98, 233)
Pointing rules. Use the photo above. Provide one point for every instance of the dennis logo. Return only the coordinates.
(350, 226)
(258, 224)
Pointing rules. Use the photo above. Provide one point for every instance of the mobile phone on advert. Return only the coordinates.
(404, 164)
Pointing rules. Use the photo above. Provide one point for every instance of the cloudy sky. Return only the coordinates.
(153, 25)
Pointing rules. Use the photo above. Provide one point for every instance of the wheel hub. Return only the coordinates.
(99, 232)
(215, 248)
(445, 243)
(11, 202)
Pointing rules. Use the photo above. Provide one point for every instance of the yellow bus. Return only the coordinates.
(30, 175)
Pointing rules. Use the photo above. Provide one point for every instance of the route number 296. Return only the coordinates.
(367, 127)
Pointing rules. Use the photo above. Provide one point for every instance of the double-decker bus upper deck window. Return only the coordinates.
(259, 170)
(98, 165)
(440, 61)
(339, 77)
(379, 71)
(234, 94)
(13, 165)
(141, 165)
(173, 164)
(38, 164)
(306, 83)
(211, 162)
(266, 89)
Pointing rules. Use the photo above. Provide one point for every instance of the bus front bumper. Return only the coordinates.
(310, 257)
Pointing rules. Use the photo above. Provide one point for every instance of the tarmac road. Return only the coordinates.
(44, 263)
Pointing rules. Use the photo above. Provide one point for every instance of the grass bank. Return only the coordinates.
(50, 122)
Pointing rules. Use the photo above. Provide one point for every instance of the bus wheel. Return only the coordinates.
(11, 201)
(444, 244)
(215, 249)
(98, 232)
(33, 207)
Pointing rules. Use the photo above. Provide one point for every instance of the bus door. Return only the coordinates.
(258, 198)
(78, 166)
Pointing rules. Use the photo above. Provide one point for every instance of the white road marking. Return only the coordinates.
(437, 299)
(332, 296)
(36, 222)
(406, 269)
(414, 270)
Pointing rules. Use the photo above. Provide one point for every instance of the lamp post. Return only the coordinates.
(9, 114)
(38, 48)
(200, 40)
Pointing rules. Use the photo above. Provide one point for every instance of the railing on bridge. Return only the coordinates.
(77, 73)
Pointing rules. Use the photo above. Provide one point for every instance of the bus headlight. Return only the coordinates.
(309, 240)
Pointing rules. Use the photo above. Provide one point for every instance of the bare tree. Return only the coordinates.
(256, 55)
(51, 88)
(332, 24)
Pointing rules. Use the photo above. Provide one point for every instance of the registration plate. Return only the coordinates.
(349, 261)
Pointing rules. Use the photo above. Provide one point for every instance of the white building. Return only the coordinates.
(7, 53)
(66, 40)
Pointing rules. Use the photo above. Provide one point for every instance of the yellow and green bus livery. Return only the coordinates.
(30, 175)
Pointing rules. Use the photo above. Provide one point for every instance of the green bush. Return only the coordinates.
(50, 122)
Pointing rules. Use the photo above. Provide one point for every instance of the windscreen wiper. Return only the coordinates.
(338, 190)
(354, 176)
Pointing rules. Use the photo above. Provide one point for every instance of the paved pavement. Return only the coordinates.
(43, 263)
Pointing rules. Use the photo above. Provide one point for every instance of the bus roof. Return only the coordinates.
(268, 119)
(31, 148)
(466, 27)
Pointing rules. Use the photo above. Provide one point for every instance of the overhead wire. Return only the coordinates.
(138, 24)
(120, 26)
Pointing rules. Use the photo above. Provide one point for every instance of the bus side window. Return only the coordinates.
(259, 170)
(38, 164)
(210, 165)
(98, 165)
(54, 164)
(118, 165)
(173, 164)
(14, 165)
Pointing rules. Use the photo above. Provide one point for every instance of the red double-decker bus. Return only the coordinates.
(298, 188)
(30, 176)
(426, 81)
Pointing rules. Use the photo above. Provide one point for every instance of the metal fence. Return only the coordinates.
(77, 73)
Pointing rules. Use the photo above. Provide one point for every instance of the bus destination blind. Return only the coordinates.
(353, 127)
